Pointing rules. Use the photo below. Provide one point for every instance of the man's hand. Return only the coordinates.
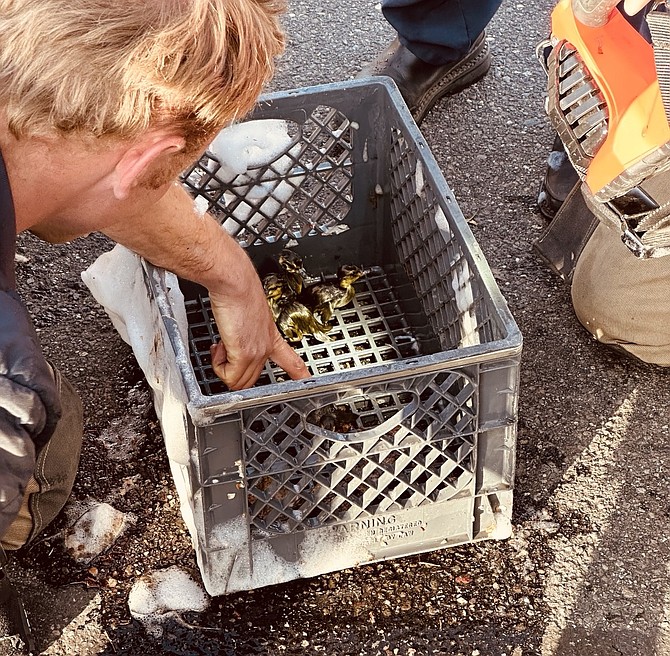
(249, 336)
(632, 7)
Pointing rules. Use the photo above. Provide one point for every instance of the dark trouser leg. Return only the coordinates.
(55, 470)
(441, 49)
(439, 31)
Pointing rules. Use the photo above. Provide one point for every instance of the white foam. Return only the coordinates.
(248, 145)
(241, 150)
(158, 595)
(96, 530)
(462, 286)
(503, 526)
(120, 441)
(336, 229)
(418, 178)
(463, 294)
(318, 551)
(326, 547)
(201, 205)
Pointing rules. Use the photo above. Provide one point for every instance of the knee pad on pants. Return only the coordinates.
(55, 470)
(622, 300)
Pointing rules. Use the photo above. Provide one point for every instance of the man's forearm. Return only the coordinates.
(192, 246)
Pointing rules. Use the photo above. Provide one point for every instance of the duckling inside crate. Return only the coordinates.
(303, 310)
(294, 319)
(323, 298)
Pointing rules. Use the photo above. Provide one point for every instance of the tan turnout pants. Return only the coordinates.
(622, 300)
(51, 483)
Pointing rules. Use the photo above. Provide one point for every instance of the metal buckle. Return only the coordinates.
(642, 204)
(542, 50)
(634, 243)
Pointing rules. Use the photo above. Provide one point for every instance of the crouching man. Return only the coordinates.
(102, 104)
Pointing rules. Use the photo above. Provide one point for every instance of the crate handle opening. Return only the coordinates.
(370, 433)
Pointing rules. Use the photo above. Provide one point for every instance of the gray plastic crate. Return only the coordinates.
(403, 440)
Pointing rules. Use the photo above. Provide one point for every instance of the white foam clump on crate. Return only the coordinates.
(418, 178)
(244, 147)
(98, 527)
(501, 528)
(268, 568)
(160, 595)
(465, 303)
(248, 145)
(319, 551)
(462, 287)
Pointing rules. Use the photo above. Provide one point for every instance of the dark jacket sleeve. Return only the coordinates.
(29, 404)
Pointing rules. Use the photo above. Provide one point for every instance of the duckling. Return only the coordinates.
(292, 269)
(275, 288)
(324, 298)
(296, 321)
(338, 418)
(293, 318)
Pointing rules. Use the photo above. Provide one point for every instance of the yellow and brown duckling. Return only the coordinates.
(296, 321)
(286, 284)
(276, 290)
(292, 269)
(324, 298)
(293, 318)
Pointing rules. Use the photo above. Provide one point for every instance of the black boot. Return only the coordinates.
(559, 180)
(422, 84)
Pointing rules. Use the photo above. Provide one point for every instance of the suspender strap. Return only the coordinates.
(658, 20)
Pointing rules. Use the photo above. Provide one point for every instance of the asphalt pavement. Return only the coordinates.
(585, 571)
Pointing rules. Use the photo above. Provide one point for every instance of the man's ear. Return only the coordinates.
(140, 156)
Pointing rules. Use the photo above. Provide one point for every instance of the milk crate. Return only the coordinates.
(403, 441)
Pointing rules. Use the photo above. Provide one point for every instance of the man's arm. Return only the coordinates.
(195, 247)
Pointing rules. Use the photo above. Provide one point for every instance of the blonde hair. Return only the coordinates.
(110, 68)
